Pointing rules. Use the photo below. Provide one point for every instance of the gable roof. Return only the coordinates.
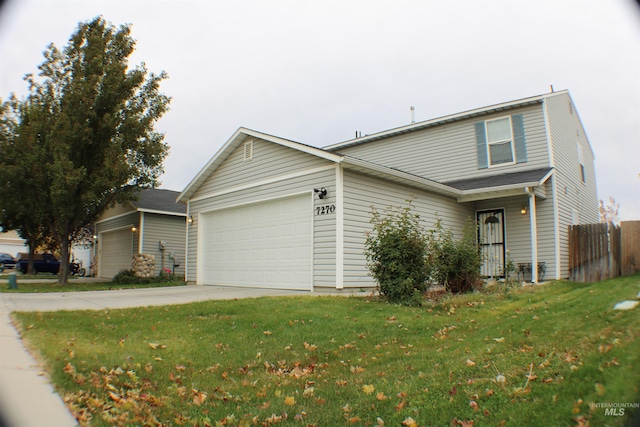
(155, 200)
(445, 119)
(234, 142)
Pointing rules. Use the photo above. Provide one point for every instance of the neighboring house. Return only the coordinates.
(139, 227)
(269, 212)
(11, 243)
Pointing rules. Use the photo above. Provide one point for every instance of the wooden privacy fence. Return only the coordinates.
(603, 251)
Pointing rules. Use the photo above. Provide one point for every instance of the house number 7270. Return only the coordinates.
(326, 209)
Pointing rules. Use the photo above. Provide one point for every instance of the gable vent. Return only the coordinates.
(248, 150)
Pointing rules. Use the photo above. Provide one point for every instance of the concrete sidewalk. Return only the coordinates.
(26, 397)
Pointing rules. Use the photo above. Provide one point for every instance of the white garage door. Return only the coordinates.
(266, 245)
(115, 252)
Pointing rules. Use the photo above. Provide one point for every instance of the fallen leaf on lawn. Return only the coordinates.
(198, 397)
(273, 419)
(356, 369)
(310, 347)
(156, 346)
(368, 389)
(581, 421)
(180, 368)
(409, 422)
(381, 396)
(489, 392)
(289, 401)
(379, 422)
(501, 339)
(474, 405)
(354, 420)
(341, 383)
(69, 369)
(468, 423)
(267, 332)
(600, 389)
(471, 362)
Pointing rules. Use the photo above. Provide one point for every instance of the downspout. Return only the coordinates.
(534, 234)
(186, 243)
(141, 236)
(339, 226)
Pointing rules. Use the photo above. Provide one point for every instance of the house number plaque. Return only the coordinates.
(326, 209)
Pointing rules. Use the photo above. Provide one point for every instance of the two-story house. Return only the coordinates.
(270, 212)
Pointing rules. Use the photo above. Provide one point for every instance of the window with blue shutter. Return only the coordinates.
(481, 138)
(501, 141)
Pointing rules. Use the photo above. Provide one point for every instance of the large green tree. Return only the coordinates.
(22, 174)
(92, 118)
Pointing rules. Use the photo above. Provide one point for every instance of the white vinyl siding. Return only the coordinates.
(170, 229)
(447, 152)
(361, 192)
(274, 172)
(268, 161)
(565, 128)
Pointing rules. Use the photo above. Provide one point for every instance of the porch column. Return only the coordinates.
(534, 235)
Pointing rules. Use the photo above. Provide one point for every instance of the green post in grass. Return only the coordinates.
(13, 281)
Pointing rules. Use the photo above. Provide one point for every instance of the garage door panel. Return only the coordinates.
(266, 245)
(116, 252)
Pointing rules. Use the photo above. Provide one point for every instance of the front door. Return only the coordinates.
(491, 239)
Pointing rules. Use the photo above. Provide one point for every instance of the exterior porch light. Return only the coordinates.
(190, 219)
(134, 229)
(523, 211)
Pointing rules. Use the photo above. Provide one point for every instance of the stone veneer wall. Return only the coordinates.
(144, 265)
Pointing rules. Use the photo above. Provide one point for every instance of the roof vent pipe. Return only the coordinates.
(413, 114)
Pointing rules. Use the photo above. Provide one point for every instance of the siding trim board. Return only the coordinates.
(339, 227)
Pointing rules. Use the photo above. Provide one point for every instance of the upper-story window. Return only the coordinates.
(501, 141)
(581, 161)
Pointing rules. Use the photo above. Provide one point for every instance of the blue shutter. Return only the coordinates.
(481, 144)
(518, 138)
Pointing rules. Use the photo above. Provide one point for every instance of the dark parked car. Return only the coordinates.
(42, 263)
(7, 261)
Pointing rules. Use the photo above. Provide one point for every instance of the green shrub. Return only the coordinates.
(125, 277)
(454, 264)
(395, 250)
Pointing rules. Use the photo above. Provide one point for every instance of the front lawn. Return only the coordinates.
(537, 356)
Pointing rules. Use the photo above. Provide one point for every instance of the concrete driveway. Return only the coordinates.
(26, 397)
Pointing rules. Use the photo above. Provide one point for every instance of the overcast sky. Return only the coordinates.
(317, 71)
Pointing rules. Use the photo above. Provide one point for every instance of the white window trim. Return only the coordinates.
(512, 144)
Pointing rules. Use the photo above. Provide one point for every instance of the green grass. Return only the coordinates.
(329, 361)
(73, 286)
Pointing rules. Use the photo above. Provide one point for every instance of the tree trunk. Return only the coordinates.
(63, 273)
(30, 258)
